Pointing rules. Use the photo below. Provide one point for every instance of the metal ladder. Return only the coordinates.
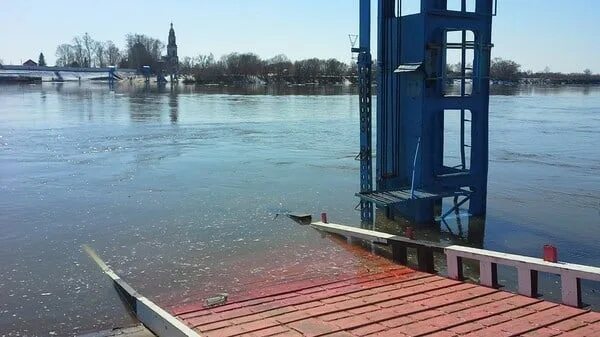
(464, 45)
(463, 145)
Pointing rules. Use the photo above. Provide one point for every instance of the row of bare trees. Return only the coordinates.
(510, 71)
(244, 66)
(141, 50)
(86, 52)
(504, 70)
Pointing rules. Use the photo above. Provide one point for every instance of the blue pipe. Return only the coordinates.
(412, 184)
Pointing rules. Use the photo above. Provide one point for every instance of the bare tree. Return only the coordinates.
(113, 54)
(99, 54)
(79, 52)
(307, 70)
(207, 70)
(186, 65)
(65, 55)
(279, 65)
(88, 45)
(143, 50)
(204, 61)
(243, 64)
(504, 70)
(333, 67)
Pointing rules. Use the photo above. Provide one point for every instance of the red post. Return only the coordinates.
(324, 217)
(409, 233)
(550, 253)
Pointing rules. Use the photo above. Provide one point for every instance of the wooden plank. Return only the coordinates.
(387, 198)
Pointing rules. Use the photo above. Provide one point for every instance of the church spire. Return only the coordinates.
(171, 58)
(172, 40)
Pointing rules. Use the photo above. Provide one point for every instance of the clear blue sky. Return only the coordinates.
(560, 34)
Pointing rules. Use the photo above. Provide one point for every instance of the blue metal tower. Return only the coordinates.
(432, 107)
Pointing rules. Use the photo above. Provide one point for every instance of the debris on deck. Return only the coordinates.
(215, 301)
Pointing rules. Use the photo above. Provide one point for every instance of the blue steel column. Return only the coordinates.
(364, 85)
(381, 96)
(480, 119)
(111, 76)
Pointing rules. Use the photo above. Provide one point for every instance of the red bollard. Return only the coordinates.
(324, 217)
(409, 233)
(550, 253)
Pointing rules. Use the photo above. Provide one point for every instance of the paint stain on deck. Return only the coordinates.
(396, 302)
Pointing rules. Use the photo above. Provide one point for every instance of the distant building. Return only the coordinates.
(30, 63)
(172, 60)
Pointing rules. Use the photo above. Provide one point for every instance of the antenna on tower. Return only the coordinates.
(353, 39)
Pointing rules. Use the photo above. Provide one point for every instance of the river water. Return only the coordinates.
(178, 190)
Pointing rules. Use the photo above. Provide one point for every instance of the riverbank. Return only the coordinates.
(270, 80)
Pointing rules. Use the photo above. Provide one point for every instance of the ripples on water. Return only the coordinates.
(177, 190)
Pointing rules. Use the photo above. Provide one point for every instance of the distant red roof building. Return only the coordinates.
(30, 63)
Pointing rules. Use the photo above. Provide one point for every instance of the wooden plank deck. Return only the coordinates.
(396, 302)
(393, 197)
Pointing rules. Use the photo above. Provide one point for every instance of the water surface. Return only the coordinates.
(178, 190)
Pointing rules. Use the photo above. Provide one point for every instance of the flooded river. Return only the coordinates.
(178, 190)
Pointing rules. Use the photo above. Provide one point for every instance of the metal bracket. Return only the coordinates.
(455, 207)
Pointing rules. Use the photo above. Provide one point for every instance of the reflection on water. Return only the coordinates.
(173, 105)
(177, 189)
(458, 228)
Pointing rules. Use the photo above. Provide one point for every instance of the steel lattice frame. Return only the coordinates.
(364, 87)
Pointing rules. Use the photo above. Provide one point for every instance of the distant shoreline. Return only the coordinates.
(326, 82)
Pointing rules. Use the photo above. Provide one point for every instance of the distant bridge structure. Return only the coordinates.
(64, 73)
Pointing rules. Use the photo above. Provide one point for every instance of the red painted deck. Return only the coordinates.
(396, 302)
